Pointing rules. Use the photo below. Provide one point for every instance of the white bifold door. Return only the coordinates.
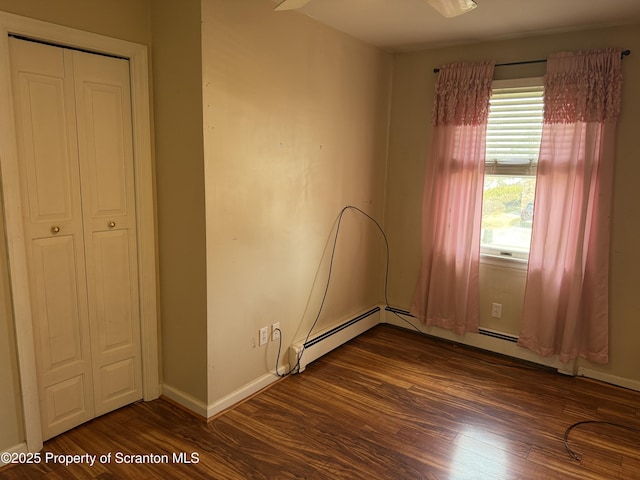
(73, 121)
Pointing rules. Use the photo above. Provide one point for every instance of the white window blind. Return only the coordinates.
(514, 127)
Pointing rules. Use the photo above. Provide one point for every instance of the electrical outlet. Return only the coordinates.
(496, 310)
(264, 336)
(275, 331)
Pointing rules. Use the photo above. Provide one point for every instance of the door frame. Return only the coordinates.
(10, 187)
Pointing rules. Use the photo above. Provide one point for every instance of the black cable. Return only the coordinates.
(324, 297)
(571, 452)
(386, 299)
(278, 356)
(326, 289)
(577, 456)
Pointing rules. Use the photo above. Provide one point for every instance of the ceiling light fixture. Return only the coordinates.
(452, 8)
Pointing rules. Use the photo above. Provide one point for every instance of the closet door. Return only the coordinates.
(73, 120)
(105, 146)
(53, 228)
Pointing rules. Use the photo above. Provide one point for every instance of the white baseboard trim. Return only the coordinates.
(20, 448)
(187, 401)
(212, 409)
(207, 411)
(484, 342)
(510, 349)
(243, 392)
(251, 388)
(608, 378)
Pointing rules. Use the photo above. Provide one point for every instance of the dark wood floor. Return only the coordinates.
(388, 405)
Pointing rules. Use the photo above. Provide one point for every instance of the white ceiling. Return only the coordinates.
(401, 25)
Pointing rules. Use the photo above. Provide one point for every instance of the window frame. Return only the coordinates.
(507, 257)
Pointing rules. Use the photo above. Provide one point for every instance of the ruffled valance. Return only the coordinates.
(462, 94)
(583, 86)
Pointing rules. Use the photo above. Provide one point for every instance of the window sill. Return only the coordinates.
(503, 261)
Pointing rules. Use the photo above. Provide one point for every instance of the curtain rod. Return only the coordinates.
(623, 54)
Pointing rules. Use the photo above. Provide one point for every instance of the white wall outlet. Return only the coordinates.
(264, 336)
(496, 310)
(275, 331)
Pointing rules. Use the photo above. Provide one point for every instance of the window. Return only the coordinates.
(514, 132)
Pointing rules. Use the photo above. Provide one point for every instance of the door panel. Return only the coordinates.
(55, 277)
(119, 383)
(113, 285)
(63, 354)
(49, 182)
(104, 150)
(46, 128)
(46, 153)
(104, 137)
(105, 146)
(116, 345)
(66, 404)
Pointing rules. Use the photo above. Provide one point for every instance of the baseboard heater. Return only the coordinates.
(481, 331)
(502, 336)
(303, 353)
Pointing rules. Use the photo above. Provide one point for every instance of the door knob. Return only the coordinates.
(55, 229)
(111, 224)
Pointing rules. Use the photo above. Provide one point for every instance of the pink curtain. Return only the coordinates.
(447, 290)
(566, 296)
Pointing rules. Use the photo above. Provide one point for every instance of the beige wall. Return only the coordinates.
(409, 136)
(124, 19)
(295, 128)
(177, 80)
(504, 285)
